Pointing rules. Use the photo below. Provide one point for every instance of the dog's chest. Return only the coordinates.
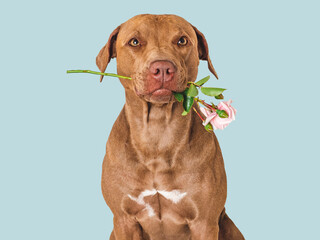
(160, 205)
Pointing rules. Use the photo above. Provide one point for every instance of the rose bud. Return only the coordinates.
(222, 113)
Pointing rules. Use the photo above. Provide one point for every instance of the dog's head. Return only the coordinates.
(160, 52)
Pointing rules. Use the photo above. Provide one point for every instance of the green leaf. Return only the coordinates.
(203, 81)
(213, 92)
(192, 91)
(208, 127)
(178, 96)
(187, 103)
(220, 96)
(184, 113)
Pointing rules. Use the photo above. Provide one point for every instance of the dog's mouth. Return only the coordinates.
(160, 95)
(161, 92)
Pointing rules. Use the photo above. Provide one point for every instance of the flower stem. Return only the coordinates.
(195, 84)
(204, 103)
(194, 109)
(98, 73)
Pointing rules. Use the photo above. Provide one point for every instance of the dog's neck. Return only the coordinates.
(153, 128)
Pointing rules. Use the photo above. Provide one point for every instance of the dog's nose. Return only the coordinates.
(162, 70)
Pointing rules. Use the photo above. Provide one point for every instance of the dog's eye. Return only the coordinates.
(134, 42)
(182, 41)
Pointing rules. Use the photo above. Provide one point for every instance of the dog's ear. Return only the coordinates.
(204, 50)
(107, 52)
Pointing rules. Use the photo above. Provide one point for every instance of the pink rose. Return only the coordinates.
(216, 121)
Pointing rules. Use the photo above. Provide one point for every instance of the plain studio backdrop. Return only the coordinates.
(54, 126)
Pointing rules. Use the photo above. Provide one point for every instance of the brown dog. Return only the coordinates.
(163, 175)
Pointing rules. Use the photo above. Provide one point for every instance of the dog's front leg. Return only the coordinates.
(201, 230)
(126, 229)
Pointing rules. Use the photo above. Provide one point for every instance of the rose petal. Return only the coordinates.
(208, 114)
(215, 120)
(209, 118)
(221, 123)
(204, 111)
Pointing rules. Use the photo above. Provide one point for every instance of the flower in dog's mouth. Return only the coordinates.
(216, 117)
(221, 117)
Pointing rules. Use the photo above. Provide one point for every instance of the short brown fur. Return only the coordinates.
(151, 146)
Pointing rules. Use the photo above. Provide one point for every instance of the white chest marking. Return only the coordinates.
(175, 196)
(140, 200)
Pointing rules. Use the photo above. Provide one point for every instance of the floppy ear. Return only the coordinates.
(204, 51)
(107, 52)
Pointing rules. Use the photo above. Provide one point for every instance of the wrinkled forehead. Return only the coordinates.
(157, 26)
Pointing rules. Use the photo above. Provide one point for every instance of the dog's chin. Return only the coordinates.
(159, 96)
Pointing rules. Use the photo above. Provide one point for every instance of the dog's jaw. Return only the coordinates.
(159, 96)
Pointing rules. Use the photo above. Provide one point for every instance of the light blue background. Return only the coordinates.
(54, 126)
